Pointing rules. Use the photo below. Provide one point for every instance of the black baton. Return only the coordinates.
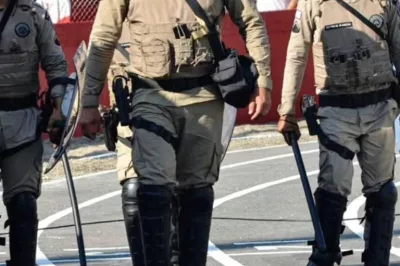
(319, 236)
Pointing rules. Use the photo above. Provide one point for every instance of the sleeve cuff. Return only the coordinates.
(264, 82)
(286, 109)
(57, 91)
(90, 101)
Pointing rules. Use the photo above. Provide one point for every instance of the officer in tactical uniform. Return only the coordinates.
(177, 115)
(27, 40)
(357, 92)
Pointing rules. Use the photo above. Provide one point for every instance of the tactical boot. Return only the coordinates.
(23, 223)
(155, 222)
(194, 225)
(330, 209)
(378, 233)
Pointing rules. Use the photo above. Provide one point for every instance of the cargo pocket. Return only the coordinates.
(156, 57)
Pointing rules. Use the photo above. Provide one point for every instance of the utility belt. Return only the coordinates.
(172, 85)
(14, 104)
(360, 100)
(310, 109)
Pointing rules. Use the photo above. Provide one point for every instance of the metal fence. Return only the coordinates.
(83, 10)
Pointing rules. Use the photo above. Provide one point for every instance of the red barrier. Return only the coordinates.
(278, 24)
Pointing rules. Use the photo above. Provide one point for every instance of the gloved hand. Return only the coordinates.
(288, 125)
(55, 127)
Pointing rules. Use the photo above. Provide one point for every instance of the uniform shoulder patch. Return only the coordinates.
(22, 30)
(377, 20)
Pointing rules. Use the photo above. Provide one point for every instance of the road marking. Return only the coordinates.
(272, 242)
(355, 226)
(95, 249)
(42, 259)
(271, 158)
(215, 252)
(289, 252)
(281, 247)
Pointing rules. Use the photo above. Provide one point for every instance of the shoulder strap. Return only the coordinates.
(362, 18)
(6, 16)
(213, 37)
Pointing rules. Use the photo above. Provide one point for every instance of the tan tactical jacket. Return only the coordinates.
(163, 45)
(29, 40)
(349, 57)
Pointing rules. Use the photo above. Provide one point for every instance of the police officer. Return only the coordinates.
(177, 114)
(28, 39)
(357, 90)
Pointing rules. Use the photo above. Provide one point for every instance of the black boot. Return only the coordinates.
(155, 222)
(130, 210)
(194, 225)
(23, 222)
(330, 209)
(378, 233)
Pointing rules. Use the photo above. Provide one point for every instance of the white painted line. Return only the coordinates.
(355, 226)
(43, 260)
(289, 252)
(273, 242)
(281, 247)
(271, 158)
(95, 249)
(61, 179)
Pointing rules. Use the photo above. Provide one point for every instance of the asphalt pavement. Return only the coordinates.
(260, 215)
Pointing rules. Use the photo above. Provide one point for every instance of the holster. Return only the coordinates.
(47, 110)
(123, 100)
(310, 109)
(110, 122)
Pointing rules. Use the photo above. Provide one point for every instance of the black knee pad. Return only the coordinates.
(380, 214)
(386, 198)
(154, 196)
(129, 191)
(198, 199)
(22, 207)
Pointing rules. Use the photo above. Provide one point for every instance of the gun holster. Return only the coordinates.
(310, 109)
(110, 121)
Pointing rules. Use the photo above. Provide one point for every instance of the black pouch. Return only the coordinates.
(236, 77)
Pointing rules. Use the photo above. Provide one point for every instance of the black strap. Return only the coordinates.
(362, 18)
(311, 119)
(14, 104)
(352, 101)
(172, 85)
(139, 122)
(6, 16)
(213, 37)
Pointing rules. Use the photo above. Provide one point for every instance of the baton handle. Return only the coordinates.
(319, 236)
